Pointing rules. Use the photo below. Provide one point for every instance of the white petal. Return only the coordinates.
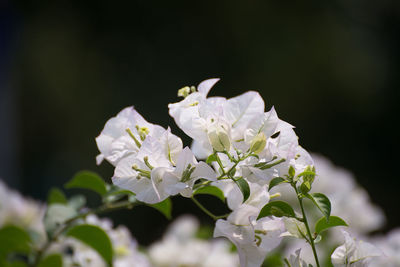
(205, 86)
(240, 110)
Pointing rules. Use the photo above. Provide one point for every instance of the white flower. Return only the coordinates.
(239, 111)
(254, 240)
(151, 174)
(123, 135)
(143, 173)
(242, 212)
(296, 261)
(186, 173)
(187, 115)
(354, 253)
(267, 123)
(216, 122)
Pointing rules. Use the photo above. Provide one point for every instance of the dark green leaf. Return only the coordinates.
(56, 196)
(87, 180)
(13, 239)
(95, 237)
(322, 224)
(278, 209)
(53, 260)
(211, 190)
(244, 187)
(275, 182)
(16, 263)
(322, 202)
(211, 158)
(165, 207)
(305, 187)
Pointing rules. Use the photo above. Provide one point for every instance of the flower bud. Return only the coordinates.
(219, 138)
(184, 92)
(258, 143)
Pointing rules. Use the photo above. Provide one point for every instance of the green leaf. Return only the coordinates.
(278, 209)
(274, 182)
(244, 187)
(322, 224)
(165, 207)
(13, 239)
(56, 196)
(53, 260)
(292, 171)
(87, 180)
(15, 263)
(307, 172)
(322, 202)
(95, 237)
(211, 158)
(210, 190)
(305, 187)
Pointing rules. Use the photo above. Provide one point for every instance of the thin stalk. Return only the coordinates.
(310, 238)
(220, 163)
(206, 211)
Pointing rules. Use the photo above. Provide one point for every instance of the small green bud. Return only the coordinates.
(258, 143)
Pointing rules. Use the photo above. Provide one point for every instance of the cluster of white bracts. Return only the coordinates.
(151, 162)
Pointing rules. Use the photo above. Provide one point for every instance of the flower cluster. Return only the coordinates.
(245, 146)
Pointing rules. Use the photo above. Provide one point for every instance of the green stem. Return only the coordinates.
(220, 163)
(69, 222)
(206, 211)
(310, 237)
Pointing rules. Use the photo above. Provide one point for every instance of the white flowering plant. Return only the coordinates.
(243, 156)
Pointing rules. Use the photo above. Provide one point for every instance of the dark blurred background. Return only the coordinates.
(329, 67)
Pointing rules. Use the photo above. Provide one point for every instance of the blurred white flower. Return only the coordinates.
(23, 212)
(354, 253)
(180, 247)
(389, 244)
(253, 240)
(295, 260)
(75, 253)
